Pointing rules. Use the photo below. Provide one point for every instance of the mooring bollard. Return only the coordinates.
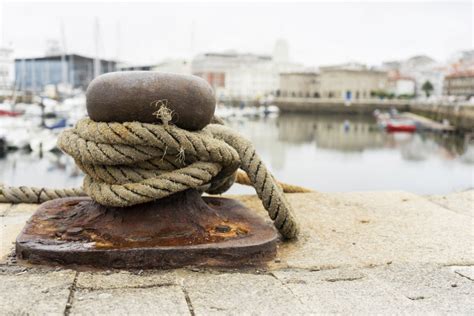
(145, 208)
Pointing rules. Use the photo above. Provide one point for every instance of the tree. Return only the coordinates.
(427, 87)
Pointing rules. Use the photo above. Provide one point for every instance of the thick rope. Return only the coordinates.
(243, 178)
(132, 163)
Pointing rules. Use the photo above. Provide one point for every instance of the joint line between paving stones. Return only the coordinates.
(288, 288)
(70, 299)
(386, 288)
(150, 286)
(188, 301)
(464, 276)
(460, 264)
(447, 208)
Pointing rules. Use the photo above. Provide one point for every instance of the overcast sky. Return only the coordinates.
(317, 33)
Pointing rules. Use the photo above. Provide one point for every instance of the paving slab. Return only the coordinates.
(460, 202)
(35, 293)
(160, 300)
(126, 279)
(321, 241)
(431, 288)
(11, 225)
(342, 291)
(402, 227)
(360, 252)
(373, 228)
(241, 294)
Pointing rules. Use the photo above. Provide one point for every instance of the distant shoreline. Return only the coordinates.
(460, 116)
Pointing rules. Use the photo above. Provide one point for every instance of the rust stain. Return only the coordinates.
(181, 220)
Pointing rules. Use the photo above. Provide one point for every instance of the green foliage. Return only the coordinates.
(427, 87)
(406, 96)
(382, 94)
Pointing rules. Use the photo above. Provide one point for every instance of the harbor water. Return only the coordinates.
(324, 153)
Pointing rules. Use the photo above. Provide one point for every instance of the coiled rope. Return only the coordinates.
(131, 163)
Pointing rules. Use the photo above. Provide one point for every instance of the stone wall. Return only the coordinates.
(333, 106)
(461, 116)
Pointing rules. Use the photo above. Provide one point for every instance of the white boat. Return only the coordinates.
(43, 141)
(269, 110)
(17, 131)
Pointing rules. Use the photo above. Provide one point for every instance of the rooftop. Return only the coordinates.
(301, 73)
(353, 67)
(58, 57)
(461, 74)
(235, 55)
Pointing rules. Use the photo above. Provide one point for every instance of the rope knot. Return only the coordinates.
(132, 163)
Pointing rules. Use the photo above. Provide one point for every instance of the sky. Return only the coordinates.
(318, 33)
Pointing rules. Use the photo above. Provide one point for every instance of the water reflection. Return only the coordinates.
(326, 153)
(52, 169)
(340, 153)
(359, 133)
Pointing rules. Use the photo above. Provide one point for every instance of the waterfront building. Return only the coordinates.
(242, 76)
(434, 75)
(128, 67)
(7, 67)
(281, 52)
(76, 71)
(459, 81)
(460, 84)
(351, 81)
(231, 73)
(401, 86)
(176, 66)
(299, 85)
(252, 83)
(421, 69)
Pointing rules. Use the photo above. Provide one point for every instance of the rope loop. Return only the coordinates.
(132, 163)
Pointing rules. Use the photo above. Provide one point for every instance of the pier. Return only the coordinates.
(427, 124)
(460, 116)
(366, 252)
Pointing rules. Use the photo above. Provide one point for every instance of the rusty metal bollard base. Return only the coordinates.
(182, 230)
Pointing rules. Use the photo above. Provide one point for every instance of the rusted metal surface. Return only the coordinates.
(181, 230)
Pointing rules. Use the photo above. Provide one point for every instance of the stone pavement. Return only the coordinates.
(367, 252)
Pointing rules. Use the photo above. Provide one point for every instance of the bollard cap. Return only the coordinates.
(138, 96)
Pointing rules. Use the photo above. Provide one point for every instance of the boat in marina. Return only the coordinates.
(392, 122)
(9, 113)
(400, 125)
(17, 131)
(232, 112)
(409, 123)
(37, 126)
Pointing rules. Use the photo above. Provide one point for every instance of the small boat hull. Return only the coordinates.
(391, 128)
(9, 113)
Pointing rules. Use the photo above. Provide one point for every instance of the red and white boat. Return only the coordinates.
(405, 126)
(9, 113)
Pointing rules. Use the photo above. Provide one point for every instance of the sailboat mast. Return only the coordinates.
(64, 70)
(96, 42)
